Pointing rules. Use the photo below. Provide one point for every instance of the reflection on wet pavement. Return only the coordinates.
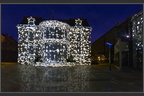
(46, 79)
(84, 78)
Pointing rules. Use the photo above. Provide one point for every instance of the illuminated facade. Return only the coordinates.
(54, 41)
(137, 38)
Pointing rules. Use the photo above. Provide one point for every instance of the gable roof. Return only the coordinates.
(70, 21)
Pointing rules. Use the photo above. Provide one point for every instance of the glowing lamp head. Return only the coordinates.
(127, 36)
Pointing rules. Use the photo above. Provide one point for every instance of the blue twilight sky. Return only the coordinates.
(101, 17)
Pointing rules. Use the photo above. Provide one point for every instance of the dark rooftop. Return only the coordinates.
(70, 21)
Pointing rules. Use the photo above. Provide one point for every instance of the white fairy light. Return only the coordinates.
(52, 39)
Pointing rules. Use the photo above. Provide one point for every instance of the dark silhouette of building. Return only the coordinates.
(9, 49)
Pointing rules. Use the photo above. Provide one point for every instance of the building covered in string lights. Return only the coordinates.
(55, 41)
(137, 40)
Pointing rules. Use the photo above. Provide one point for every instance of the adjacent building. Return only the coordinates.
(127, 44)
(9, 48)
(137, 40)
(55, 42)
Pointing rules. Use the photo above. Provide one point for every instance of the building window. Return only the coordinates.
(30, 36)
(31, 50)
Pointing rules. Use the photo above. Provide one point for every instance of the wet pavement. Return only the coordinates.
(90, 78)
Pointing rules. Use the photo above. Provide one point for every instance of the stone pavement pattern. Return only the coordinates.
(93, 78)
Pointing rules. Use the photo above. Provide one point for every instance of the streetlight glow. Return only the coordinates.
(128, 36)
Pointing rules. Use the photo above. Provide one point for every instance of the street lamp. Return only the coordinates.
(109, 44)
(127, 36)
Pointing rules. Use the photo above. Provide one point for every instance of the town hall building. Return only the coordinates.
(55, 42)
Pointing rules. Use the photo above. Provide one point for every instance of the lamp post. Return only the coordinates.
(109, 45)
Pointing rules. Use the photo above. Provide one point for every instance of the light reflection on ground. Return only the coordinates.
(54, 79)
(51, 79)
(84, 78)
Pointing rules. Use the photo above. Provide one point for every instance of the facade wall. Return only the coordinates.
(100, 51)
(137, 40)
(54, 41)
(80, 44)
(121, 53)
